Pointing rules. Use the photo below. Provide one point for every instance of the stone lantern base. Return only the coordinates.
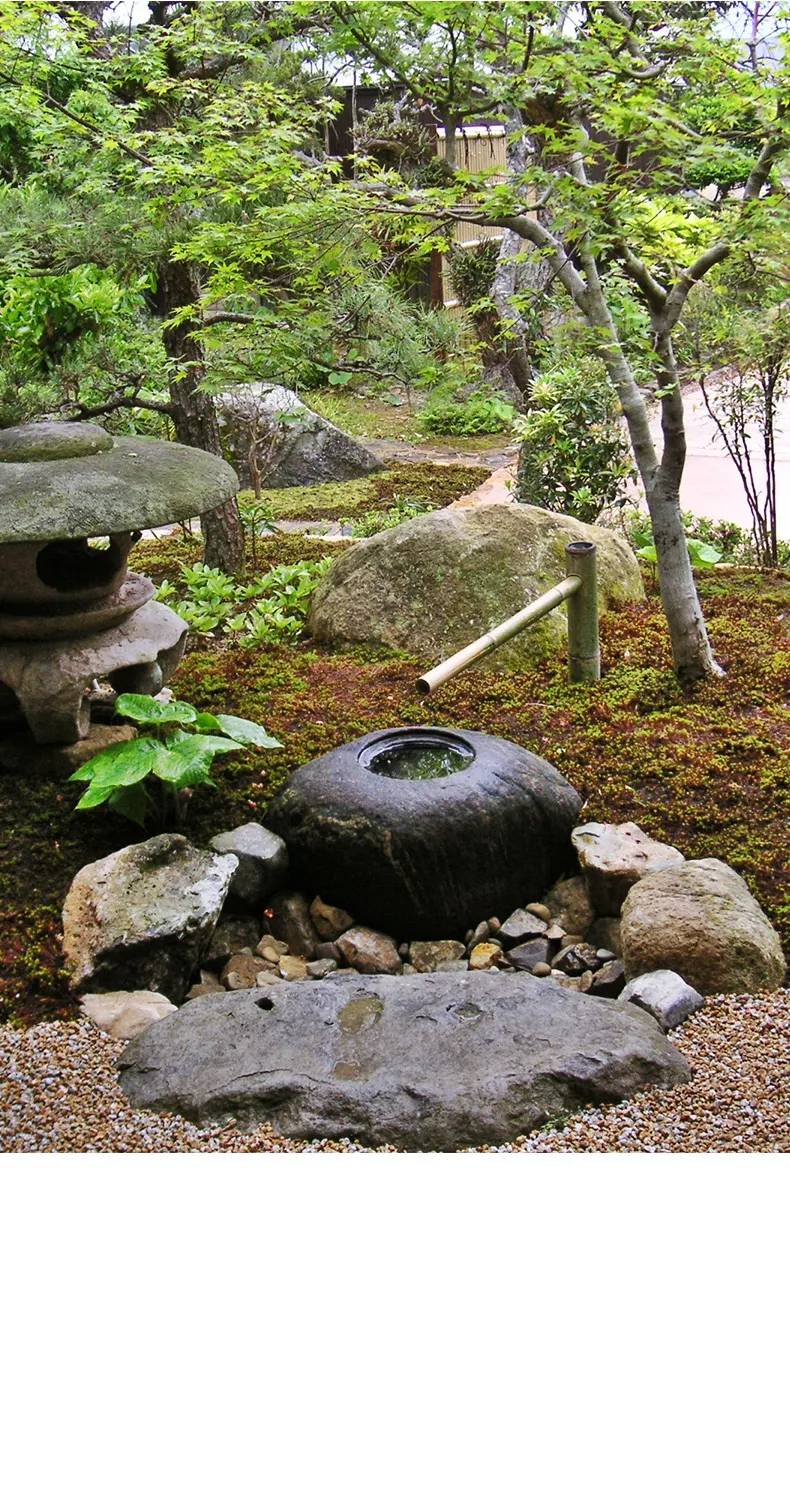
(52, 679)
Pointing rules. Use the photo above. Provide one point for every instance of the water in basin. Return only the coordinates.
(421, 762)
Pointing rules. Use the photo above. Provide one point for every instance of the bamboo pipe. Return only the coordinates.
(583, 657)
(584, 651)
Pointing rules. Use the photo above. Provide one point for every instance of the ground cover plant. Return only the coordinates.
(708, 770)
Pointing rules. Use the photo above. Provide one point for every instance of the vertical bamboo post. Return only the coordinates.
(584, 654)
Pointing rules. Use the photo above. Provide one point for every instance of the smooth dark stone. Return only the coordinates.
(527, 955)
(328, 950)
(576, 959)
(422, 859)
(520, 927)
(610, 980)
(290, 922)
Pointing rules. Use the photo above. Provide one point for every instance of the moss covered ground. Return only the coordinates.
(709, 771)
(424, 484)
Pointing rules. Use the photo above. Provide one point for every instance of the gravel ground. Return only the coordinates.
(58, 1092)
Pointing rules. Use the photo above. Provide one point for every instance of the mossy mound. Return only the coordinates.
(424, 484)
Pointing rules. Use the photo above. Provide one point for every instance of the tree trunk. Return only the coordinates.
(691, 651)
(194, 415)
(513, 276)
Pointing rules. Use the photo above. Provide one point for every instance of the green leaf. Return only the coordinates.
(246, 732)
(97, 793)
(648, 554)
(702, 554)
(188, 762)
(121, 765)
(146, 710)
(208, 724)
(132, 802)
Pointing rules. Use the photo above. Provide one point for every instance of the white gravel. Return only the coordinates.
(59, 1092)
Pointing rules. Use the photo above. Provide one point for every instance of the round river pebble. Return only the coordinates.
(59, 1092)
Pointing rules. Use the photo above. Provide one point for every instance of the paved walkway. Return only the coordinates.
(711, 485)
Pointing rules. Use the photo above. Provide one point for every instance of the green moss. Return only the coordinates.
(708, 771)
(320, 502)
(366, 416)
(429, 484)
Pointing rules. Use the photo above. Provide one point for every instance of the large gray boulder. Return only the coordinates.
(143, 917)
(427, 1062)
(700, 920)
(434, 584)
(305, 447)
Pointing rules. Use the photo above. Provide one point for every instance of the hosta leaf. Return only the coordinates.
(246, 732)
(132, 802)
(97, 793)
(208, 724)
(121, 765)
(189, 762)
(702, 554)
(146, 710)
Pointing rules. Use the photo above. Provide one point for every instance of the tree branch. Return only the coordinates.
(226, 317)
(687, 279)
(165, 408)
(761, 170)
(92, 130)
(654, 293)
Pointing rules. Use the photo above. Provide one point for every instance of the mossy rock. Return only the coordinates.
(72, 484)
(434, 584)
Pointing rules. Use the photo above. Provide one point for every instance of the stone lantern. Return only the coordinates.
(73, 502)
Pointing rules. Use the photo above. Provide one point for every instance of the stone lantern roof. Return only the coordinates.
(62, 480)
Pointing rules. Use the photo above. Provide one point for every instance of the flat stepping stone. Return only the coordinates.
(427, 1062)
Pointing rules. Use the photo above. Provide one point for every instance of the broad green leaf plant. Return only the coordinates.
(269, 611)
(148, 777)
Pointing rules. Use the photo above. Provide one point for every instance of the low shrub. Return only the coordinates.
(267, 611)
(384, 520)
(481, 413)
(574, 457)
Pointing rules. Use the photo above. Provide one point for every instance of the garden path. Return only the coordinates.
(711, 486)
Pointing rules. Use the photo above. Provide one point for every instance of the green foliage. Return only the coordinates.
(730, 542)
(173, 757)
(375, 521)
(574, 458)
(267, 611)
(480, 413)
(718, 164)
(472, 270)
(45, 316)
(701, 553)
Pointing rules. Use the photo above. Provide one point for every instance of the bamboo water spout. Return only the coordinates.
(579, 588)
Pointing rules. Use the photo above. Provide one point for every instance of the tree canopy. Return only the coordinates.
(174, 207)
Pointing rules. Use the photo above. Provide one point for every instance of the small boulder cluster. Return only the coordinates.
(161, 923)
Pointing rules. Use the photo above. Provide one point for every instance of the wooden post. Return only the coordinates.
(584, 654)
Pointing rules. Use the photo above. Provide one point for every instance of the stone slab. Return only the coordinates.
(426, 1061)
